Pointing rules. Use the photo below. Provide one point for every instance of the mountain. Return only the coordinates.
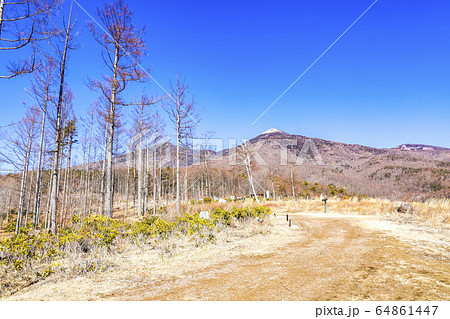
(409, 171)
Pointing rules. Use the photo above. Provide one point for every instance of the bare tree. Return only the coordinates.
(42, 94)
(293, 186)
(90, 125)
(158, 132)
(22, 23)
(123, 48)
(246, 156)
(17, 153)
(66, 37)
(69, 132)
(104, 118)
(140, 131)
(184, 117)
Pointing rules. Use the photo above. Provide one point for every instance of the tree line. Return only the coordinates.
(41, 144)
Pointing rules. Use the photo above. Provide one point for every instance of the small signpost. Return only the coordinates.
(324, 199)
(204, 214)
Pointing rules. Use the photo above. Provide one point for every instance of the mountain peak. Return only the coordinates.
(272, 130)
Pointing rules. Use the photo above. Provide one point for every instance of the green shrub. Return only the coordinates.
(207, 200)
(193, 224)
(225, 216)
(435, 186)
(101, 229)
(153, 226)
(11, 226)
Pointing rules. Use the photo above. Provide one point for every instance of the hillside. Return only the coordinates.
(409, 171)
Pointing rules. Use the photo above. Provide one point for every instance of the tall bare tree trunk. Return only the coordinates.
(23, 182)
(293, 188)
(274, 197)
(9, 207)
(55, 169)
(140, 175)
(147, 177)
(128, 183)
(248, 168)
(104, 175)
(39, 168)
(112, 117)
(134, 184)
(186, 180)
(47, 214)
(88, 168)
(155, 180)
(29, 197)
(160, 183)
(178, 155)
(66, 182)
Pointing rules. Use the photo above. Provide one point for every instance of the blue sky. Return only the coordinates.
(386, 82)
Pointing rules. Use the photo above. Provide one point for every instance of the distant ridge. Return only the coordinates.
(419, 147)
(408, 171)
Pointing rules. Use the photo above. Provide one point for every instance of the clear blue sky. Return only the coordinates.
(386, 82)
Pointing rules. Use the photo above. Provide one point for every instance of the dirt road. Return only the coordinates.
(382, 261)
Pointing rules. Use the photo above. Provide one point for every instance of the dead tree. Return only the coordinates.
(184, 117)
(23, 23)
(246, 156)
(69, 132)
(158, 132)
(88, 164)
(123, 49)
(42, 94)
(17, 153)
(142, 130)
(293, 187)
(66, 37)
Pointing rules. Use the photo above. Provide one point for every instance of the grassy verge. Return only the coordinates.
(433, 212)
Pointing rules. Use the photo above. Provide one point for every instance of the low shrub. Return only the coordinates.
(151, 227)
(239, 213)
(11, 226)
(98, 232)
(207, 200)
(193, 224)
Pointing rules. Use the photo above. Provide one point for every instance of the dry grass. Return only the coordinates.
(433, 212)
